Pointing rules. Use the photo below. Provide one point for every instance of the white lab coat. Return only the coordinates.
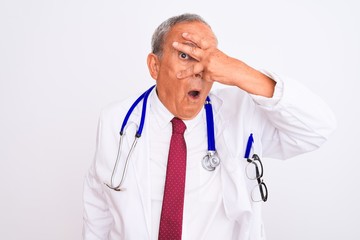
(299, 122)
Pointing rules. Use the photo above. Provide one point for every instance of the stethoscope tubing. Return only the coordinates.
(144, 96)
(210, 125)
(210, 161)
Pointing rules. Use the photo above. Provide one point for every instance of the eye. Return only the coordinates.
(183, 55)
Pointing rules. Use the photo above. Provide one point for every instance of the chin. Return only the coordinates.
(188, 114)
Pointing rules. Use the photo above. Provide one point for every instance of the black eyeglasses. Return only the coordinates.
(254, 171)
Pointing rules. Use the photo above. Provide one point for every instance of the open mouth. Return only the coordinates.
(194, 94)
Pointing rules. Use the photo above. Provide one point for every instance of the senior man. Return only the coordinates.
(161, 187)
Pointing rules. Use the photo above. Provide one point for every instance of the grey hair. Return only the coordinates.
(164, 28)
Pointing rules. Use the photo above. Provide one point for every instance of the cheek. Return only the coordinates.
(170, 67)
(207, 86)
(171, 71)
(183, 65)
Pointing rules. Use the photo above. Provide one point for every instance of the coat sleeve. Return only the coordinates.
(97, 220)
(295, 120)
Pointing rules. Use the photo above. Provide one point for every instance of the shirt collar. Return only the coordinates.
(163, 116)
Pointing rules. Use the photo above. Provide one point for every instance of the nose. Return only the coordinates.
(199, 75)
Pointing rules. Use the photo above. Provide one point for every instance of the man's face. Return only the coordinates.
(182, 97)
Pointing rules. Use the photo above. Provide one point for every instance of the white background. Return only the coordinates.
(62, 61)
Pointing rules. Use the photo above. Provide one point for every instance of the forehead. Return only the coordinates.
(195, 27)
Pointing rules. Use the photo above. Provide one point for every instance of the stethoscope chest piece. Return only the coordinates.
(210, 161)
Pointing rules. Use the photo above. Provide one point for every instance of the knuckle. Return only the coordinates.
(193, 50)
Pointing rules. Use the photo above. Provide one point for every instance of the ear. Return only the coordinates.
(153, 65)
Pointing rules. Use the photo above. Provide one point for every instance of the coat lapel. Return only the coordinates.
(141, 168)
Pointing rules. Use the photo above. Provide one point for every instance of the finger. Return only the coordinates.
(189, 49)
(194, 70)
(201, 42)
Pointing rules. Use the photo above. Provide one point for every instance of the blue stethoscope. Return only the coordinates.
(209, 162)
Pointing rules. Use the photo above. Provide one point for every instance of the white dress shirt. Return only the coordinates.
(203, 209)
